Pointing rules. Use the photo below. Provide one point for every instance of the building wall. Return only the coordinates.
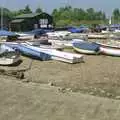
(40, 21)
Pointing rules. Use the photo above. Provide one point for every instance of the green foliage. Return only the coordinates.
(116, 15)
(26, 10)
(38, 10)
(76, 15)
(6, 13)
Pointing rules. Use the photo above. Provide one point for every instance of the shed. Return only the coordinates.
(27, 22)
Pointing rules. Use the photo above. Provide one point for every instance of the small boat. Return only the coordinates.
(24, 36)
(108, 49)
(38, 42)
(27, 50)
(57, 47)
(57, 34)
(97, 36)
(47, 54)
(8, 56)
(85, 47)
(59, 55)
(61, 43)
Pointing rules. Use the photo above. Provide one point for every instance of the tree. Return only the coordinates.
(90, 14)
(6, 17)
(27, 9)
(77, 15)
(56, 15)
(116, 15)
(38, 10)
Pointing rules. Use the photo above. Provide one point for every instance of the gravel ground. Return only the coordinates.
(32, 101)
(98, 75)
(53, 90)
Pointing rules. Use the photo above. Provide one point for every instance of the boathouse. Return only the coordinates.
(27, 22)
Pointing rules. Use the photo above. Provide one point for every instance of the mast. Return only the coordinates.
(1, 18)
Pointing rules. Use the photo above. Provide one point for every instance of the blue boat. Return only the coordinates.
(81, 29)
(28, 51)
(86, 47)
(7, 33)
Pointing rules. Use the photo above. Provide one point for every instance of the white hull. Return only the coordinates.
(58, 34)
(62, 43)
(66, 57)
(74, 60)
(89, 52)
(8, 55)
(110, 51)
(23, 36)
(9, 61)
(99, 36)
(59, 55)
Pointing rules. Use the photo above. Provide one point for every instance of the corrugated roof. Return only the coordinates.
(17, 21)
(28, 15)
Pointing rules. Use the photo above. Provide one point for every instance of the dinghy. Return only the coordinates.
(8, 56)
(61, 43)
(49, 46)
(59, 55)
(27, 50)
(47, 54)
(109, 49)
(85, 47)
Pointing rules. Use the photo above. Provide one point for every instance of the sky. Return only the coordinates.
(48, 5)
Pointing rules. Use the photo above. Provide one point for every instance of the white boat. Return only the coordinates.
(108, 49)
(57, 34)
(8, 56)
(57, 47)
(23, 36)
(97, 36)
(62, 43)
(58, 55)
(85, 47)
(117, 31)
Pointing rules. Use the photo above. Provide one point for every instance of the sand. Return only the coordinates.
(98, 75)
(55, 90)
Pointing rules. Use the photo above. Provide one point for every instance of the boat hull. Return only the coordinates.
(89, 52)
(110, 51)
(28, 50)
(47, 54)
(9, 61)
(60, 55)
(8, 56)
(85, 47)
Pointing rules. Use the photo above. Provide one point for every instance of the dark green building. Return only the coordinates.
(27, 22)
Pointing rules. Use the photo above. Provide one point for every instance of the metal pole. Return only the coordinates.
(1, 18)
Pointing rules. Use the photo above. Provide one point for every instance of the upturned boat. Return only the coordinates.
(86, 47)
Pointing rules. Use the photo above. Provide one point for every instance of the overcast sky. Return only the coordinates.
(49, 5)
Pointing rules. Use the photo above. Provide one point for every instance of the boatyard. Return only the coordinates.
(59, 65)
